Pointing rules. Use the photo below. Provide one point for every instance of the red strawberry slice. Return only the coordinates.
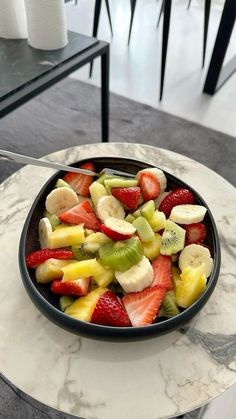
(195, 233)
(114, 235)
(150, 185)
(127, 196)
(110, 312)
(81, 214)
(37, 257)
(178, 196)
(78, 287)
(143, 307)
(79, 182)
(162, 272)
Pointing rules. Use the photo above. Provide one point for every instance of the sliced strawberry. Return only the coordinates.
(37, 257)
(143, 307)
(162, 272)
(81, 214)
(127, 196)
(78, 287)
(177, 196)
(114, 235)
(195, 233)
(79, 182)
(150, 185)
(110, 312)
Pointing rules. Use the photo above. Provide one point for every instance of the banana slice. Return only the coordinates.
(187, 214)
(195, 255)
(60, 200)
(109, 206)
(45, 230)
(136, 278)
(120, 226)
(160, 175)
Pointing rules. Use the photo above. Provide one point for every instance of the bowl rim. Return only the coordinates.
(97, 331)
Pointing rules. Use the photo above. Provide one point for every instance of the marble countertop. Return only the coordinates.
(155, 378)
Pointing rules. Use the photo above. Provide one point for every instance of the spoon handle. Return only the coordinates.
(20, 158)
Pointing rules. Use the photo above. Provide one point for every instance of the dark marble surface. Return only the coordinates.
(21, 64)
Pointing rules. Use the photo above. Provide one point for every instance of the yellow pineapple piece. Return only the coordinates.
(82, 308)
(66, 236)
(82, 269)
(105, 278)
(176, 276)
(158, 221)
(99, 238)
(192, 285)
(152, 249)
(50, 269)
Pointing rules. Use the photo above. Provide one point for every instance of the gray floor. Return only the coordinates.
(69, 115)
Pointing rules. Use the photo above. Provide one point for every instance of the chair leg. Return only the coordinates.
(109, 15)
(132, 6)
(160, 13)
(97, 11)
(165, 37)
(189, 4)
(206, 23)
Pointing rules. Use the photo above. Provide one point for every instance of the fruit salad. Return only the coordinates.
(122, 252)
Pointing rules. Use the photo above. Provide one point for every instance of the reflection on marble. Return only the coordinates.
(155, 378)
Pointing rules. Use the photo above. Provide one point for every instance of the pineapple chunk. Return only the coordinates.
(82, 269)
(176, 276)
(192, 285)
(66, 236)
(82, 308)
(152, 250)
(105, 278)
(158, 221)
(50, 269)
(98, 238)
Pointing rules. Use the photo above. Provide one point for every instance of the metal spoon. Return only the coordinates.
(20, 158)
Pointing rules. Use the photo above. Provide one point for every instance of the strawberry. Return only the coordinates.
(150, 185)
(195, 233)
(162, 272)
(81, 214)
(37, 257)
(109, 311)
(143, 307)
(78, 287)
(177, 196)
(79, 182)
(114, 235)
(127, 196)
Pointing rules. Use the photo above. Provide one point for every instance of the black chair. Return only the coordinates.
(97, 12)
(165, 9)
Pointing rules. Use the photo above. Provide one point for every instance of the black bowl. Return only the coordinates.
(47, 302)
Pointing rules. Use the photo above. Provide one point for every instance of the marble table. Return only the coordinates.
(156, 378)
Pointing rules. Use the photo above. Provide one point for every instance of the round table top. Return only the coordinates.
(155, 378)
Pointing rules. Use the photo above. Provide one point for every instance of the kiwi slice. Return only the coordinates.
(144, 229)
(65, 301)
(173, 239)
(121, 255)
(169, 307)
(85, 251)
